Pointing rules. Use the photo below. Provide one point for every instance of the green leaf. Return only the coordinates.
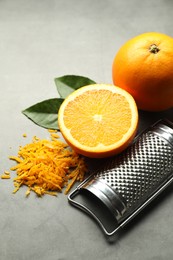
(67, 84)
(45, 113)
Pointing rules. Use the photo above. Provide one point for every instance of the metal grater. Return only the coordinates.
(129, 181)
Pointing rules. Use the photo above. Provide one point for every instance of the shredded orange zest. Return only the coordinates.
(47, 166)
(5, 175)
(52, 131)
(7, 172)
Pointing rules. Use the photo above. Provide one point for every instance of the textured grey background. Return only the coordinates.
(41, 40)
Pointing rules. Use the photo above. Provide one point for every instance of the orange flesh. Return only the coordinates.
(99, 117)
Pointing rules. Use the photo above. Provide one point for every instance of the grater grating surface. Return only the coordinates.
(139, 171)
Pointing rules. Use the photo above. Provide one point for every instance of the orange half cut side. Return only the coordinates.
(98, 120)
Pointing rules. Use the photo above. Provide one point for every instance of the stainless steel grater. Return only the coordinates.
(129, 181)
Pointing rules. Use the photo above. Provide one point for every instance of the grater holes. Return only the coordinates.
(136, 173)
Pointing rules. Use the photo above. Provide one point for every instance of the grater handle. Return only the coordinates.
(91, 213)
(116, 227)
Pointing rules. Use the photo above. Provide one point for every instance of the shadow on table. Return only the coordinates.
(148, 118)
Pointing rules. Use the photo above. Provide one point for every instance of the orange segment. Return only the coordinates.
(98, 120)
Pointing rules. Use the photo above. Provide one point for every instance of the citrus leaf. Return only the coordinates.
(45, 113)
(67, 84)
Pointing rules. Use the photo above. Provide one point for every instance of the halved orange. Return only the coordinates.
(98, 120)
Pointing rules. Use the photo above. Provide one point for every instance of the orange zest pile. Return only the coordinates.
(47, 166)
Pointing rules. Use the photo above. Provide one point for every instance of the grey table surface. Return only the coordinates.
(41, 40)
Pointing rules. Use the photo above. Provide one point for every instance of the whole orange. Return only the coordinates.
(144, 67)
